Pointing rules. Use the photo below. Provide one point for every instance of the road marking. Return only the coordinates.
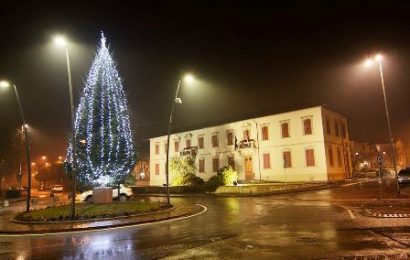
(359, 182)
(352, 216)
(105, 229)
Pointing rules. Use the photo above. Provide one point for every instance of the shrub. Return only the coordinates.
(227, 175)
(212, 184)
(12, 193)
(183, 169)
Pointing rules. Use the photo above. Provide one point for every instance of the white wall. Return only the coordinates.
(275, 145)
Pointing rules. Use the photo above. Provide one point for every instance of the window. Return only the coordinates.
(231, 161)
(265, 133)
(246, 134)
(330, 151)
(176, 146)
(266, 161)
(166, 147)
(287, 160)
(188, 143)
(229, 136)
(201, 165)
(201, 142)
(339, 157)
(156, 169)
(336, 128)
(215, 164)
(285, 130)
(343, 130)
(328, 131)
(307, 126)
(215, 140)
(310, 157)
(156, 148)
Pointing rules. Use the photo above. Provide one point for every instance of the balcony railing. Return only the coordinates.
(189, 151)
(250, 143)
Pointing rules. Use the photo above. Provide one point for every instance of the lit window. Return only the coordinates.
(336, 128)
(266, 161)
(328, 131)
(307, 126)
(285, 130)
(246, 134)
(176, 146)
(344, 135)
(287, 160)
(201, 165)
(339, 157)
(215, 140)
(265, 133)
(201, 142)
(215, 164)
(310, 157)
(229, 136)
(330, 151)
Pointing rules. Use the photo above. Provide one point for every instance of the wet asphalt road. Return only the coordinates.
(309, 225)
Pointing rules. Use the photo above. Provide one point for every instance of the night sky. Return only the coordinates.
(251, 58)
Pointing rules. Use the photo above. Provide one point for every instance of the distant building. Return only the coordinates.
(364, 154)
(142, 172)
(305, 145)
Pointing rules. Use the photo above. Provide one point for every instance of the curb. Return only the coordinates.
(89, 220)
(199, 209)
(321, 187)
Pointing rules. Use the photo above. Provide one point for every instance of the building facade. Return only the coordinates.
(305, 145)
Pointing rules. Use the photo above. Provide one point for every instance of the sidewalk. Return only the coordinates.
(8, 226)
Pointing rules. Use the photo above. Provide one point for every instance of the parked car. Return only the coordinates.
(57, 188)
(404, 176)
(125, 193)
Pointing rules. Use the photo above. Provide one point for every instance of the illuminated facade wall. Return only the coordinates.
(290, 146)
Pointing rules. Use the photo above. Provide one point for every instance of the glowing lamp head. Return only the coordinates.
(188, 78)
(378, 57)
(368, 62)
(4, 84)
(60, 41)
(44, 157)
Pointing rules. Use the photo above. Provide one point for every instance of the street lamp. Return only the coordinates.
(5, 84)
(378, 59)
(61, 41)
(187, 79)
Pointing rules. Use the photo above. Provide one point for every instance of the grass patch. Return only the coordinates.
(91, 211)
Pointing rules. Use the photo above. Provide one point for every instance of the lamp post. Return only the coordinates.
(378, 58)
(59, 40)
(176, 100)
(6, 84)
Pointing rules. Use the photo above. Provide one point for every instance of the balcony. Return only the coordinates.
(244, 144)
(189, 151)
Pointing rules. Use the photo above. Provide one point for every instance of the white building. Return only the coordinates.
(310, 144)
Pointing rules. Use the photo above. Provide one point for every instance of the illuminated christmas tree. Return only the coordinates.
(105, 150)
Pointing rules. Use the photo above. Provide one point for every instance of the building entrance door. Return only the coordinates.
(248, 168)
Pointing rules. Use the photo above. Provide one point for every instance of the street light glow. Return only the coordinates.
(378, 57)
(368, 62)
(4, 84)
(189, 78)
(44, 157)
(60, 40)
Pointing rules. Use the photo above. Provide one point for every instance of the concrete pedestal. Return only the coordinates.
(102, 195)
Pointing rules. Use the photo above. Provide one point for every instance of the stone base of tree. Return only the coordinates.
(102, 195)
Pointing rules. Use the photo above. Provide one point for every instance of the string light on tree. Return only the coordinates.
(106, 151)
